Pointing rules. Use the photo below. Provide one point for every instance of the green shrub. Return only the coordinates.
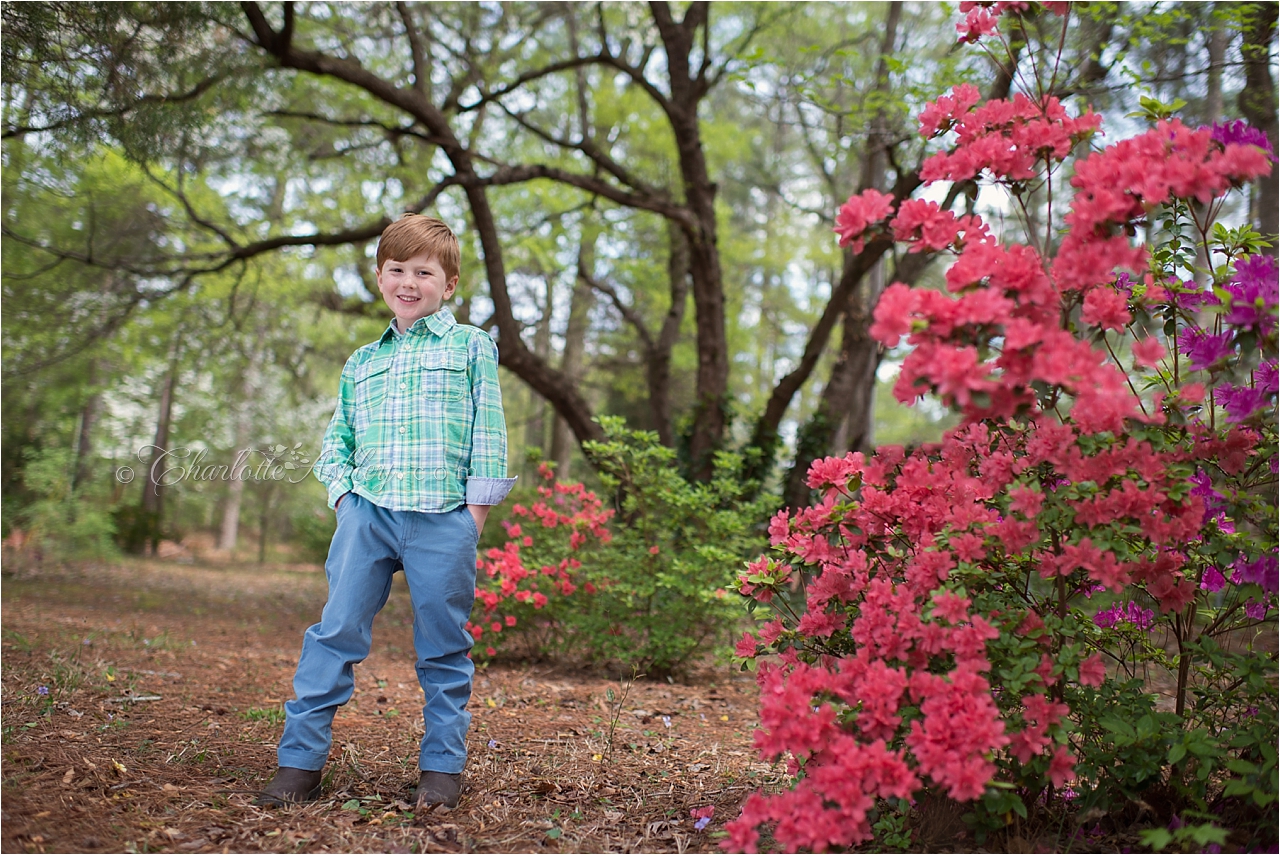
(64, 523)
(650, 591)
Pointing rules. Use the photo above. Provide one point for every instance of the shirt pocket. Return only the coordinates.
(371, 386)
(444, 375)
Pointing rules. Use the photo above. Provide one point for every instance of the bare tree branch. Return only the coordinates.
(421, 74)
(657, 204)
(628, 312)
(588, 148)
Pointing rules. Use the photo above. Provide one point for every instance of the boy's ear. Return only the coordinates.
(450, 287)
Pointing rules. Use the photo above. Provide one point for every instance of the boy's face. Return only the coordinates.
(414, 288)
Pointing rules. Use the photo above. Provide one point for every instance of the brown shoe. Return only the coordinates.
(438, 788)
(290, 786)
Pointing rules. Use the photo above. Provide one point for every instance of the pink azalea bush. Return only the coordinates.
(974, 619)
(527, 583)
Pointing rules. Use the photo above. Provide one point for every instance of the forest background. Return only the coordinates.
(645, 195)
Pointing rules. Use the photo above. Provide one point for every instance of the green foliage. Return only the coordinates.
(63, 523)
(650, 592)
(664, 579)
(271, 715)
(313, 530)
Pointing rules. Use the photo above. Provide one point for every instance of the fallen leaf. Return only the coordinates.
(193, 845)
(70, 776)
(42, 814)
(170, 788)
(173, 834)
(119, 767)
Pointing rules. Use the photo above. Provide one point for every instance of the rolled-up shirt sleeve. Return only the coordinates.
(487, 481)
(335, 464)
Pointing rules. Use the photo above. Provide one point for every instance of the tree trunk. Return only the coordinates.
(152, 488)
(658, 370)
(264, 518)
(89, 415)
(244, 433)
(575, 344)
(535, 432)
(1257, 103)
(710, 416)
(764, 437)
(845, 413)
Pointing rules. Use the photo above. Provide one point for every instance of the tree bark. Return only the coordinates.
(575, 345)
(764, 437)
(89, 415)
(658, 370)
(1257, 102)
(710, 417)
(152, 488)
(535, 435)
(230, 530)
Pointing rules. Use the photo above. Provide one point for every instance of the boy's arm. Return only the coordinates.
(487, 482)
(334, 466)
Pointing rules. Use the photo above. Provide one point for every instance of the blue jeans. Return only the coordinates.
(438, 555)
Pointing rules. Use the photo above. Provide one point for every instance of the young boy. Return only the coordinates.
(415, 455)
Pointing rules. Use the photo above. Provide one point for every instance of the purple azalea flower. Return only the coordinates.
(1263, 570)
(1212, 581)
(702, 823)
(1253, 293)
(1132, 613)
(1205, 348)
(1214, 501)
(1241, 402)
(1240, 132)
(1190, 296)
(1255, 610)
(1266, 378)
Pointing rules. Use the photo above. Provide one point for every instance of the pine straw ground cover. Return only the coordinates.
(164, 689)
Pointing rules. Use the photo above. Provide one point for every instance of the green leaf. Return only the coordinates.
(1119, 727)
(352, 804)
(1156, 838)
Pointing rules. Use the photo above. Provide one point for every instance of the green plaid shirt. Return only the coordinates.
(419, 424)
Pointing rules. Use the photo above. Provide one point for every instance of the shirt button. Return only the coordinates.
(400, 475)
(403, 429)
(404, 385)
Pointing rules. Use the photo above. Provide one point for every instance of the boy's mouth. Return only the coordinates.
(407, 298)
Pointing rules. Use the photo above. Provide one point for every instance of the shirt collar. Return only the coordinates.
(438, 323)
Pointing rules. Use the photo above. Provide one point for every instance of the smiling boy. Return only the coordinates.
(413, 459)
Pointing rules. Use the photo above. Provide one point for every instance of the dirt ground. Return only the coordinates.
(142, 703)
